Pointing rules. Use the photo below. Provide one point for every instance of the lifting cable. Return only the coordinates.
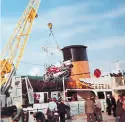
(51, 33)
(45, 46)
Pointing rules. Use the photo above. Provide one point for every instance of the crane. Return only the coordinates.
(13, 51)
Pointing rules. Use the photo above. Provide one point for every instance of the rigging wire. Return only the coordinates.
(51, 33)
(45, 47)
(23, 62)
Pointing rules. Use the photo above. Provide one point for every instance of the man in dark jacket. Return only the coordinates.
(113, 106)
(109, 104)
(61, 110)
(119, 109)
(122, 118)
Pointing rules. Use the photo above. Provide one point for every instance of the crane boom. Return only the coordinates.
(14, 49)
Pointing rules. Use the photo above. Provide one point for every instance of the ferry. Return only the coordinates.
(33, 93)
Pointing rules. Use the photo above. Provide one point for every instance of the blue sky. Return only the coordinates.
(98, 24)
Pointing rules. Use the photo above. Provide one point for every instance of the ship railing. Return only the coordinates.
(101, 86)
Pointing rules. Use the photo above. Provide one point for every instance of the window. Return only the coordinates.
(45, 97)
(101, 95)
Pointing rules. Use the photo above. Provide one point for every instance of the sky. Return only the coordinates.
(98, 24)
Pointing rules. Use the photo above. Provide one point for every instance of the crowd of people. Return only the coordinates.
(116, 107)
(57, 109)
(93, 109)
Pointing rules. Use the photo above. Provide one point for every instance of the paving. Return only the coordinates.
(79, 118)
(83, 118)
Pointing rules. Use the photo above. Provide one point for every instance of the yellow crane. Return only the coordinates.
(14, 49)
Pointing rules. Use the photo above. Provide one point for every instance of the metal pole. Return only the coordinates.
(63, 89)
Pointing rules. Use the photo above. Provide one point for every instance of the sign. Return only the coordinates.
(97, 73)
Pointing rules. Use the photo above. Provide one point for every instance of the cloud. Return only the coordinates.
(115, 13)
(68, 23)
(35, 71)
(61, 16)
(107, 43)
(64, 19)
(110, 14)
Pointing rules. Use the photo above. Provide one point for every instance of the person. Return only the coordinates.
(113, 101)
(52, 108)
(98, 109)
(89, 110)
(119, 109)
(40, 117)
(93, 99)
(61, 110)
(122, 118)
(52, 105)
(119, 99)
(68, 112)
(18, 116)
(109, 104)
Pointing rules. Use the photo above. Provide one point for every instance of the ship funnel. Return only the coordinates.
(78, 55)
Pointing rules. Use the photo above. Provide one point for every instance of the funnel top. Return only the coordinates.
(74, 46)
(75, 53)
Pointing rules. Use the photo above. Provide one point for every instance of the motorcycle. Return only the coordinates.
(54, 72)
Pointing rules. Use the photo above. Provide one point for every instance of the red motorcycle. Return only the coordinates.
(53, 72)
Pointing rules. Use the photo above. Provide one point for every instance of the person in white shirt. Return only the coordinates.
(52, 108)
(98, 109)
(52, 105)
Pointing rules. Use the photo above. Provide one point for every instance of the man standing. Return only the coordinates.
(122, 118)
(89, 110)
(61, 110)
(98, 109)
(109, 104)
(113, 106)
(119, 108)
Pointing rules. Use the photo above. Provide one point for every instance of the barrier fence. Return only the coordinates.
(78, 107)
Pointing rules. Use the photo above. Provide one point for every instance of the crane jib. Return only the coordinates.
(14, 49)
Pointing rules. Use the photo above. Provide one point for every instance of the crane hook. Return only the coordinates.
(50, 25)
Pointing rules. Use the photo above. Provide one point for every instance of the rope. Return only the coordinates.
(51, 33)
